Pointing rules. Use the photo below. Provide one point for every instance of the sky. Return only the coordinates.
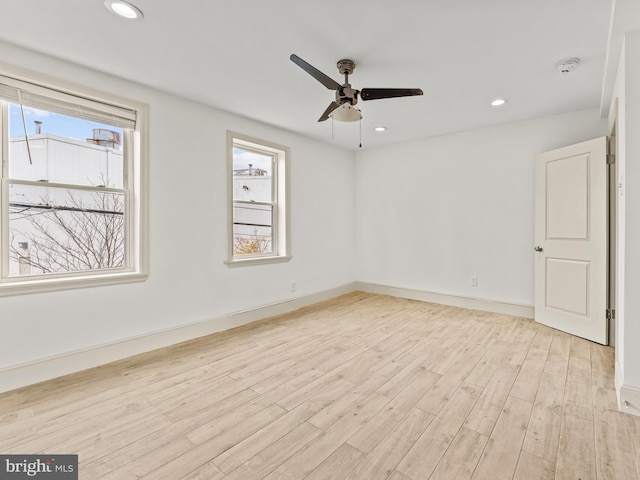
(54, 123)
(242, 159)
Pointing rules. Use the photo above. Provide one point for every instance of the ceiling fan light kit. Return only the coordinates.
(346, 113)
(343, 109)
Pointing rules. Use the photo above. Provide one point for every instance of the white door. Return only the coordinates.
(571, 239)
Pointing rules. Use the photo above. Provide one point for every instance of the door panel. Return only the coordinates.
(568, 197)
(568, 286)
(571, 239)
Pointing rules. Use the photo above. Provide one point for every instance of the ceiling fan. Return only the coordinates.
(343, 108)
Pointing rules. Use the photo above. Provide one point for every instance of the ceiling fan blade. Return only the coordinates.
(325, 115)
(378, 93)
(327, 81)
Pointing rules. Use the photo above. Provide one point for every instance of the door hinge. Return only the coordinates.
(611, 150)
(611, 314)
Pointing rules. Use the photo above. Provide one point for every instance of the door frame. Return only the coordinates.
(612, 225)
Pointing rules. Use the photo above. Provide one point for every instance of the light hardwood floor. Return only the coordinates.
(359, 387)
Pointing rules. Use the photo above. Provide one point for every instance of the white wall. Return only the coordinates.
(632, 207)
(626, 95)
(189, 281)
(433, 213)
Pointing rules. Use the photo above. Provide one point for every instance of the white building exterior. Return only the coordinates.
(57, 159)
(57, 162)
(253, 220)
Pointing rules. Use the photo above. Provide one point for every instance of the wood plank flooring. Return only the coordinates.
(362, 386)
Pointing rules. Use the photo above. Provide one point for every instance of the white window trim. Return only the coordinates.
(136, 172)
(281, 232)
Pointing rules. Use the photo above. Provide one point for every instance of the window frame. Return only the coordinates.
(279, 200)
(135, 186)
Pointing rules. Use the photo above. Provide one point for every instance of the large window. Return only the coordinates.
(258, 230)
(71, 195)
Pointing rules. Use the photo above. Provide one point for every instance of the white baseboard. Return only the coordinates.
(628, 395)
(493, 306)
(53, 367)
(18, 376)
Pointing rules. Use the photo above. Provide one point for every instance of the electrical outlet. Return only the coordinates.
(293, 286)
(474, 281)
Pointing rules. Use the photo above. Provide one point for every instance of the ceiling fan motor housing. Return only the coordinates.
(347, 95)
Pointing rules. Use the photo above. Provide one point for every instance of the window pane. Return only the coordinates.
(252, 229)
(64, 149)
(252, 176)
(54, 230)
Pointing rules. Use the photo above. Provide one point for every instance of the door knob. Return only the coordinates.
(538, 248)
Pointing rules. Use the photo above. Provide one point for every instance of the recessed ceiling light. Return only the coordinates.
(498, 102)
(123, 9)
(380, 129)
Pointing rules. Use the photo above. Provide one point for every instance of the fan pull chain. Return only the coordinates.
(360, 132)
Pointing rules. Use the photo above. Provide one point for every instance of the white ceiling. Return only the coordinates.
(234, 55)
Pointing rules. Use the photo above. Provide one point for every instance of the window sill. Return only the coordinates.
(256, 261)
(24, 286)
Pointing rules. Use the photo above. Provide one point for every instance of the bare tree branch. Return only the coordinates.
(84, 234)
(256, 244)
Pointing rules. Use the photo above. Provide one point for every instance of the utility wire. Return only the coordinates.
(28, 206)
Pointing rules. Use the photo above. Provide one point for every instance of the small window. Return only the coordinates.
(71, 193)
(258, 230)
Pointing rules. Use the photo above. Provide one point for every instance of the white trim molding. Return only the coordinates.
(57, 366)
(485, 305)
(628, 395)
